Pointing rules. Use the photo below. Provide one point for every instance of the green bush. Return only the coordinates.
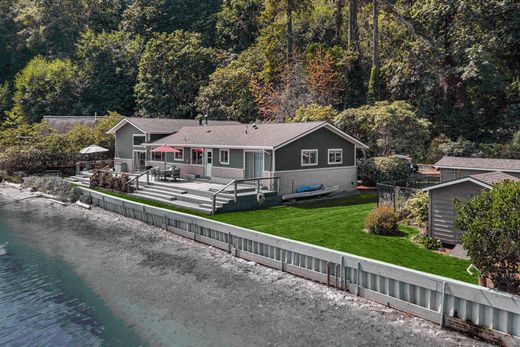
(382, 221)
(415, 209)
(380, 169)
(105, 179)
(428, 242)
(56, 186)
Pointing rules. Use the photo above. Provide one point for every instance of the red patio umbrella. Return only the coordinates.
(165, 149)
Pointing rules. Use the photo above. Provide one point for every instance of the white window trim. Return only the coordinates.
(220, 156)
(181, 153)
(309, 150)
(138, 135)
(335, 162)
(191, 157)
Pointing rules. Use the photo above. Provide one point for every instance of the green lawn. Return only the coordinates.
(338, 224)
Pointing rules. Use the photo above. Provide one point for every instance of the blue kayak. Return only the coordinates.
(310, 188)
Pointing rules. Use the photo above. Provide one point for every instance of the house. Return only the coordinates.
(441, 213)
(62, 124)
(456, 167)
(298, 153)
(132, 132)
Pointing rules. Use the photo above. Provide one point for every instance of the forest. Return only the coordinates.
(423, 78)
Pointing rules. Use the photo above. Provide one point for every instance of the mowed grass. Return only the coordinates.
(337, 224)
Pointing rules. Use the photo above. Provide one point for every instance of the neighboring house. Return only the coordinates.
(441, 214)
(132, 132)
(62, 124)
(298, 153)
(456, 167)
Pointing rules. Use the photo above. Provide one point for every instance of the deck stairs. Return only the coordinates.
(195, 199)
(198, 197)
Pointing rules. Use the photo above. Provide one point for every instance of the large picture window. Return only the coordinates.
(335, 156)
(309, 157)
(196, 156)
(224, 156)
(180, 154)
(139, 139)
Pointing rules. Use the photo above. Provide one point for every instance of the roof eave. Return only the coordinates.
(457, 181)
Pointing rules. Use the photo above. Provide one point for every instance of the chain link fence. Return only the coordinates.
(396, 193)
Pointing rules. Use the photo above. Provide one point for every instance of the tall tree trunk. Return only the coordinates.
(353, 31)
(375, 36)
(289, 30)
(373, 83)
(339, 20)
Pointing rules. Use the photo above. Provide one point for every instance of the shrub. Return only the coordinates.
(105, 179)
(382, 221)
(56, 186)
(381, 169)
(491, 223)
(415, 209)
(428, 242)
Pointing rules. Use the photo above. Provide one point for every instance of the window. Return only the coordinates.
(157, 156)
(309, 157)
(224, 156)
(335, 156)
(179, 155)
(139, 139)
(196, 156)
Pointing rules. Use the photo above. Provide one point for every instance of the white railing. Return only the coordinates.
(447, 302)
(235, 183)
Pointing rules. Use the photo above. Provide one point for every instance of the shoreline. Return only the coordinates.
(173, 290)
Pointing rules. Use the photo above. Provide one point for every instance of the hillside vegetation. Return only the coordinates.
(418, 77)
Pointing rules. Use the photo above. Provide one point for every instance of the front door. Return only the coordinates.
(139, 160)
(254, 162)
(209, 162)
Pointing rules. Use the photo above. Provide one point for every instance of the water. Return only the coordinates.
(44, 303)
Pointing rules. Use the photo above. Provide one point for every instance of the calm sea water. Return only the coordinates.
(43, 302)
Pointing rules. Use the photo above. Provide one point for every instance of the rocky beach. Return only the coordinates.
(173, 291)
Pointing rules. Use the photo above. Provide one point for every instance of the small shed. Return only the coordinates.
(441, 214)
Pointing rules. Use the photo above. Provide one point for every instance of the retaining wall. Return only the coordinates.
(482, 311)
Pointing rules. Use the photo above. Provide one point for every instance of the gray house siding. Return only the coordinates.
(451, 174)
(236, 159)
(124, 141)
(442, 213)
(289, 156)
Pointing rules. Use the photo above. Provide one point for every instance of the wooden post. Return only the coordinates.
(328, 274)
(443, 298)
(235, 191)
(358, 281)
(257, 186)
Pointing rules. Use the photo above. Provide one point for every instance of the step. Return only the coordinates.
(177, 203)
(161, 189)
(189, 192)
(194, 198)
(153, 195)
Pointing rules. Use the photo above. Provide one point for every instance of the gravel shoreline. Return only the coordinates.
(174, 291)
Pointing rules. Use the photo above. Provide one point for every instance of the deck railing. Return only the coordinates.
(136, 179)
(235, 188)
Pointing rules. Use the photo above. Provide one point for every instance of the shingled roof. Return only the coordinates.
(486, 180)
(163, 125)
(267, 136)
(510, 165)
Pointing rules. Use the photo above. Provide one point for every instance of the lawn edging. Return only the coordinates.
(432, 297)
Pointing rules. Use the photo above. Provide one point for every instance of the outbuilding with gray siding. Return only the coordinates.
(441, 213)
